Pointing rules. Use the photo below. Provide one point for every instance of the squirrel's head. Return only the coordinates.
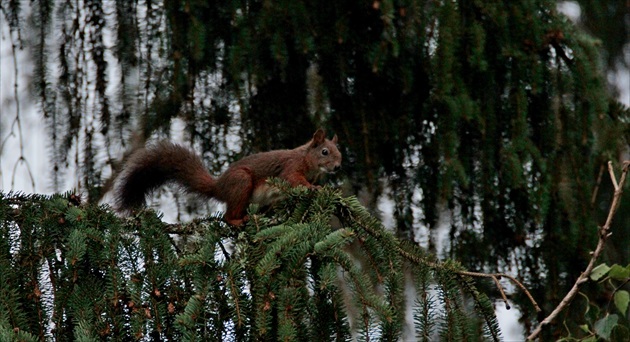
(325, 152)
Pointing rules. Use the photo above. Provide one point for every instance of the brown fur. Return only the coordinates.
(242, 183)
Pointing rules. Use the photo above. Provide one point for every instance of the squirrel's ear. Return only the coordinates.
(319, 137)
(334, 139)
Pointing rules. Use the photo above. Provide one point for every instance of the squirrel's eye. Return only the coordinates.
(325, 152)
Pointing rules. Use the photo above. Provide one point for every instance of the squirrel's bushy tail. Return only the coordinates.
(149, 168)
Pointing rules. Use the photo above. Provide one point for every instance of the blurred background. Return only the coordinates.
(478, 129)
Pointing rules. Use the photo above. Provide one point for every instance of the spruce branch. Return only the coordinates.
(494, 276)
(415, 258)
(604, 233)
(352, 211)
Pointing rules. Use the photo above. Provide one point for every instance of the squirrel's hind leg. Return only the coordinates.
(237, 186)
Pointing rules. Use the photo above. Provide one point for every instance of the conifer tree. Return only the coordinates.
(491, 118)
(77, 272)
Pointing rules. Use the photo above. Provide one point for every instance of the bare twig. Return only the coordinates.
(599, 182)
(17, 122)
(496, 277)
(604, 234)
(612, 176)
(505, 300)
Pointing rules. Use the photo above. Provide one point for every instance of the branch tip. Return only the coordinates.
(612, 176)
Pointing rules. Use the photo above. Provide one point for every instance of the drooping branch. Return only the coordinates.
(495, 277)
(416, 259)
(604, 233)
(16, 43)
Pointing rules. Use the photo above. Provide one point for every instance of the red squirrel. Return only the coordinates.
(244, 181)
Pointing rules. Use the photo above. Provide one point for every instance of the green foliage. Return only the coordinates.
(77, 272)
(493, 115)
(607, 321)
